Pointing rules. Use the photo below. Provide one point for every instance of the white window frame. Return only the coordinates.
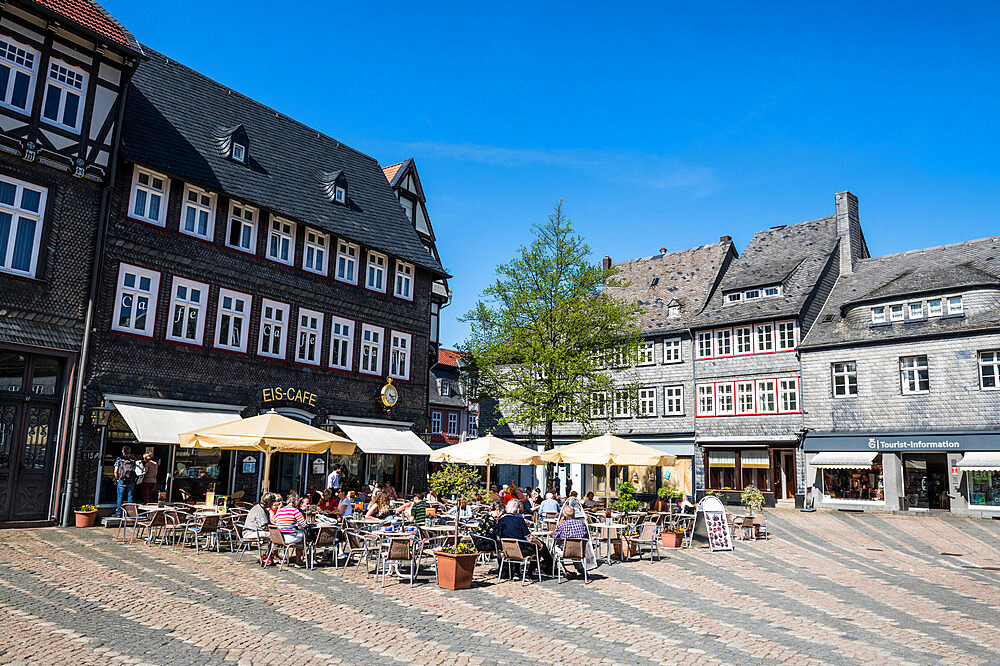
(645, 352)
(897, 312)
(149, 190)
(704, 404)
(310, 331)
(734, 297)
(396, 349)
(955, 306)
(673, 311)
(342, 342)
(989, 364)
(376, 271)
(725, 399)
(403, 281)
(772, 291)
(751, 294)
(599, 404)
(472, 425)
(673, 400)
(758, 338)
(723, 342)
(848, 372)
(187, 304)
(17, 213)
(879, 315)
(279, 238)
(239, 152)
(910, 367)
(63, 87)
(452, 424)
(198, 207)
(436, 422)
(316, 244)
(703, 341)
(11, 60)
(915, 311)
(252, 223)
(743, 340)
(767, 388)
(282, 324)
(444, 387)
(934, 307)
(233, 312)
(151, 294)
(340, 195)
(371, 344)
(348, 256)
(744, 394)
(647, 402)
(783, 327)
(788, 395)
(673, 350)
(621, 404)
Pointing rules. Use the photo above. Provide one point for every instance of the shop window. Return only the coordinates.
(135, 306)
(755, 469)
(371, 350)
(22, 211)
(188, 301)
(44, 375)
(309, 337)
(273, 328)
(721, 470)
(341, 343)
(198, 471)
(12, 368)
(989, 370)
(984, 488)
(845, 379)
(855, 484)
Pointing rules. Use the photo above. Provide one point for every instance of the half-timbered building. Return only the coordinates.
(64, 67)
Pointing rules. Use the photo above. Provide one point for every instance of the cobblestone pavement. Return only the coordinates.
(826, 588)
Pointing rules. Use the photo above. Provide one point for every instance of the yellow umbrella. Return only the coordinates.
(487, 450)
(609, 450)
(267, 433)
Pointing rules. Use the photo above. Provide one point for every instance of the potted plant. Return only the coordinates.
(626, 503)
(457, 561)
(86, 515)
(672, 537)
(752, 499)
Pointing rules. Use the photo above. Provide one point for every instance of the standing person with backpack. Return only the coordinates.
(125, 477)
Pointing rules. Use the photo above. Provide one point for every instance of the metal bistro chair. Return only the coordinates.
(130, 514)
(202, 526)
(646, 537)
(149, 524)
(361, 545)
(574, 551)
(400, 549)
(278, 541)
(246, 539)
(743, 527)
(510, 553)
(326, 539)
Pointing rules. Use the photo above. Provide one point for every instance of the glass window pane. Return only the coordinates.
(4, 81)
(70, 109)
(44, 375)
(19, 97)
(52, 95)
(7, 192)
(140, 203)
(5, 219)
(30, 199)
(11, 372)
(24, 244)
(154, 206)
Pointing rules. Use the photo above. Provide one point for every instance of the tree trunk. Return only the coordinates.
(550, 469)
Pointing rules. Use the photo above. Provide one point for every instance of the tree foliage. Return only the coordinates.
(545, 335)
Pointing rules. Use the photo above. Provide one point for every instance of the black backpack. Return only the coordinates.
(127, 470)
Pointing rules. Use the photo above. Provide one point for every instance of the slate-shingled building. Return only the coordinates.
(901, 377)
(252, 264)
(63, 68)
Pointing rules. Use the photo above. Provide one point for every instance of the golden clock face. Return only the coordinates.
(389, 395)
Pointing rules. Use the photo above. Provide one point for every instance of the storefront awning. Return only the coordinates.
(980, 461)
(384, 439)
(843, 459)
(159, 422)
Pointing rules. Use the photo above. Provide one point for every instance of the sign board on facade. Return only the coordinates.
(288, 394)
(913, 442)
(319, 466)
(710, 524)
(249, 465)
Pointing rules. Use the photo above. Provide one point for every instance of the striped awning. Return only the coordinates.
(755, 459)
(980, 461)
(843, 459)
(722, 459)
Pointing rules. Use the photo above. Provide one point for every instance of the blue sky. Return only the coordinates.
(658, 124)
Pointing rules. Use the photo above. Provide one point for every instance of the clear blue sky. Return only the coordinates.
(660, 124)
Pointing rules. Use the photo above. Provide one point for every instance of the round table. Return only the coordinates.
(607, 527)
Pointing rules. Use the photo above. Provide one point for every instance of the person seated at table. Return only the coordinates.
(312, 494)
(275, 504)
(463, 510)
(345, 507)
(661, 505)
(415, 509)
(484, 536)
(569, 527)
(292, 498)
(687, 506)
(548, 505)
(258, 518)
(574, 501)
(513, 526)
(536, 497)
(590, 502)
(388, 489)
(292, 524)
(304, 504)
(327, 502)
(380, 507)
(431, 499)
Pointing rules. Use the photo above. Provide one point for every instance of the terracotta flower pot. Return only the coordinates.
(671, 539)
(455, 571)
(85, 518)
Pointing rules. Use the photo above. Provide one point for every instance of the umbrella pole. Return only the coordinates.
(266, 484)
(607, 485)
(487, 475)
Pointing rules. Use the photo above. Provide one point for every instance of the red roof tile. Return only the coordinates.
(90, 15)
(390, 171)
(449, 357)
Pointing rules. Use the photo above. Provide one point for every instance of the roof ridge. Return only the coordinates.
(926, 249)
(672, 252)
(171, 60)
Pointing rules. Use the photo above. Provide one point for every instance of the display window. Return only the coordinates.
(984, 488)
(198, 471)
(722, 470)
(855, 484)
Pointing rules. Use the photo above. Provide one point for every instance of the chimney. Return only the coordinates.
(725, 239)
(852, 243)
(663, 250)
(606, 263)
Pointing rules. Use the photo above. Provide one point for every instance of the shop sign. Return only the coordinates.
(249, 465)
(288, 394)
(710, 524)
(319, 466)
(911, 444)
(904, 442)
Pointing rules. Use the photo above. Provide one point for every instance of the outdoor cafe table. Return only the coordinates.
(608, 528)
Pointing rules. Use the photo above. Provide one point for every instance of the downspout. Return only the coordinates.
(91, 299)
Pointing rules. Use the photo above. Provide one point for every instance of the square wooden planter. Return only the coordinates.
(455, 571)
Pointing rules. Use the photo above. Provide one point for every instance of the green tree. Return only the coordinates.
(546, 339)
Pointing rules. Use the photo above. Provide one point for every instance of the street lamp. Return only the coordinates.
(100, 416)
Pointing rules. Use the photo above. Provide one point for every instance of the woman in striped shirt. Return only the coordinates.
(292, 524)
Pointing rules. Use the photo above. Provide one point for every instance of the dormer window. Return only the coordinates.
(673, 311)
(340, 195)
(334, 184)
(239, 152)
(735, 297)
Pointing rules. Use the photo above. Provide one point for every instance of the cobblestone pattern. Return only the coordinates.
(826, 588)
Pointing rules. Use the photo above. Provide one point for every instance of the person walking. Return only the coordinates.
(333, 480)
(125, 477)
(148, 484)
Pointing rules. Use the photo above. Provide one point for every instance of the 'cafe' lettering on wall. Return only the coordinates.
(289, 394)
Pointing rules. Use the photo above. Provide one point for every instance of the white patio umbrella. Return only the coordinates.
(487, 450)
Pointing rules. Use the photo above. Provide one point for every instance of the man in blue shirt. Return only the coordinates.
(548, 505)
(512, 526)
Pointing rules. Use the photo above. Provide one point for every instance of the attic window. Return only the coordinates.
(655, 281)
(340, 195)
(334, 184)
(239, 152)
(734, 297)
(827, 319)
(673, 311)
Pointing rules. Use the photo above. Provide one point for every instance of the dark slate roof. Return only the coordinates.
(941, 270)
(173, 119)
(684, 276)
(36, 330)
(793, 256)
